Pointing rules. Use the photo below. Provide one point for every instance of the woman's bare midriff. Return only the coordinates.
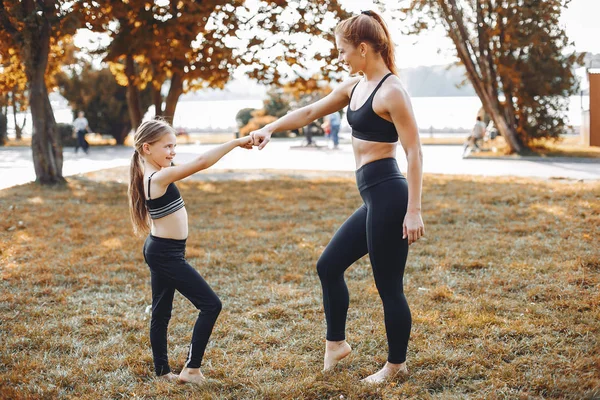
(173, 226)
(366, 152)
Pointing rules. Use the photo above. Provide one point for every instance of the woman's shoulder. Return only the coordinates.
(393, 91)
(348, 84)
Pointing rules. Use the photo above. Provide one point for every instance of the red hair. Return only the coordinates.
(370, 28)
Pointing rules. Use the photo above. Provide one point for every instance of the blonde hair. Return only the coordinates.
(369, 27)
(148, 132)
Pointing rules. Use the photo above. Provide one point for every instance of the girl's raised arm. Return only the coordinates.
(172, 174)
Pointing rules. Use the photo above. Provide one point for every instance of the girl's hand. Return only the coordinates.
(261, 137)
(413, 227)
(245, 142)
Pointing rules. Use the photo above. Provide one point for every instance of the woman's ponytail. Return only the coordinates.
(370, 27)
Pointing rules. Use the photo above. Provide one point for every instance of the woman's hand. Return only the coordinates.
(245, 142)
(261, 137)
(413, 227)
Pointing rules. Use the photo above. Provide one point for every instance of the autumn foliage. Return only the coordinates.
(517, 57)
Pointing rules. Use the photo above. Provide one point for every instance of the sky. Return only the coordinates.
(580, 21)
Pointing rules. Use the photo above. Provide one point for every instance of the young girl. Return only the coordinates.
(156, 205)
(379, 113)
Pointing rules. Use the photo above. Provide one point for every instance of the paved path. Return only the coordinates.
(16, 166)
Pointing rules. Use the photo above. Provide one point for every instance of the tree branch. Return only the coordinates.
(8, 26)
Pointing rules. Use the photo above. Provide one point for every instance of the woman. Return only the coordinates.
(379, 112)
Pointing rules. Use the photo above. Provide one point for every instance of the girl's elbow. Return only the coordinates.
(201, 163)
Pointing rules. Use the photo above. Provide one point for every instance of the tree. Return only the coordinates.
(97, 93)
(516, 58)
(3, 120)
(194, 45)
(281, 99)
(30, 29)
(13, 85)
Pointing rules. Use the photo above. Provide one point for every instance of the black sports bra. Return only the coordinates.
(367, 125)
(166, 204)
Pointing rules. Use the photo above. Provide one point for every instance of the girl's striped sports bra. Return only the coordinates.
(166, 204)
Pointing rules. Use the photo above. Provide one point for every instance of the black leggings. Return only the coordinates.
(169, 272)
(374, 228)
(81, 142)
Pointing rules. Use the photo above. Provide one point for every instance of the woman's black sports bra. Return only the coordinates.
(367, 125)
(166, 204)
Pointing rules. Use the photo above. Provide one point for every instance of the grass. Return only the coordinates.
(504, 292)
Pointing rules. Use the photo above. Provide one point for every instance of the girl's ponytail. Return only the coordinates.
(148, 132)
(137, 207)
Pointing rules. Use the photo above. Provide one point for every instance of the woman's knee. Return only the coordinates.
(322, 267)
(214, 307)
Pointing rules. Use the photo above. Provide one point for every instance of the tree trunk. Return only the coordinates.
(4, 122)
(18, 129)
(485, 89)
(175, 91)
(46, 146)
(133, 93)
(122, 133)
(157, 100)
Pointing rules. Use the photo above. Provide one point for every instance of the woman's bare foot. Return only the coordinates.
(387, 372)
(192, 375)
(168, 377)
(334, 353)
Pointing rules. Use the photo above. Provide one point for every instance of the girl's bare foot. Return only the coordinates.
(192, 375)
(387, 372)
(168, 377)
(334, 353)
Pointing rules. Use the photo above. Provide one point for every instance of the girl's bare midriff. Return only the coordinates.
(366, 151)
(173, 226)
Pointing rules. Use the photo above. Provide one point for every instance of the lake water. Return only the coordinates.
(439, 113)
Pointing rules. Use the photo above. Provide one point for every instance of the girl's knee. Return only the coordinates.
(159, 318)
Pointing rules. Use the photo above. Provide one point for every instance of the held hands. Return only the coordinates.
(261, 137)
(245, 142)
(413, 227)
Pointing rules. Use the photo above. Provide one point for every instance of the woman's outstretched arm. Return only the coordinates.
(334, 101)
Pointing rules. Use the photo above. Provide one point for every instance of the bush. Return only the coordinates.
(104, 101)
(244, 116)
(65, 131)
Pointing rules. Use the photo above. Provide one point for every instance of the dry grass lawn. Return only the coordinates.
(504, 291)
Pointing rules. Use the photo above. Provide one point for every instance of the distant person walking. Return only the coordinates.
(477, 134)
(334, 121)
(80, 129)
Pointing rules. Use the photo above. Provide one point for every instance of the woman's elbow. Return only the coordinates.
(415, 153)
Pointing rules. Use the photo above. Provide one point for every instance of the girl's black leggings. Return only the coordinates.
(169, 272)
(374, 228)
